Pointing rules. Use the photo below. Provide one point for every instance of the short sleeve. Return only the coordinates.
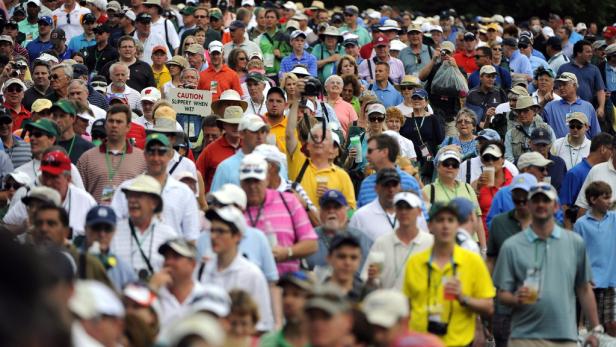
(483, 288)
(503, 270)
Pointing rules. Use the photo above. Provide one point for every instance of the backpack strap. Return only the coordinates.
(288, 210)
(299, 177)
(468, 171)
(175, 166)
(324, 109)
(432, 193)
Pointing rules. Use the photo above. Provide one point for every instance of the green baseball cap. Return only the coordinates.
(66, 106)
(188, 10)
(162, 138)
(439, 207)
(257, 76)
(216, 13)
(46, 125)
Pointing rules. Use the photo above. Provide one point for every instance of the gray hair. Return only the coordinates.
(189, 69)
(467, 112)
(118, 64)
(332, 78)
(68, 70)
(80, 83)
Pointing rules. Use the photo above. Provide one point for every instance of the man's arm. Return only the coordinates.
(290, 138)
(587, 300)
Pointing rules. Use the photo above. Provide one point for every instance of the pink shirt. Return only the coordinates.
(345, 113)
(290, 226)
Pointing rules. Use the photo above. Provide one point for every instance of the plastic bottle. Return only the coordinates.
(355, 143)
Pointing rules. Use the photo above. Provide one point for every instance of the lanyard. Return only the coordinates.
(253, 222)
(111, 171)
(258, 112)
(139, 244)
(70, 148)
(399, 267)
(392, 223)
(430, 291)
(539, 265)
(445, 189)
(418, 127)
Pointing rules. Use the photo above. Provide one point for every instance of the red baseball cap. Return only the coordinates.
(609, 32)
(380, 40)
(55, 163)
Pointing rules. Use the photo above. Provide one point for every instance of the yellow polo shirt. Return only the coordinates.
(476, 283)
(337, 178)
(279, 131)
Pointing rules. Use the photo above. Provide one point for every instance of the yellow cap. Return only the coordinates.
(41, 104)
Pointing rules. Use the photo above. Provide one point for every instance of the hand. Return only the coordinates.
(334, 58)
(548, 97)
(436, 55)
(352, 153)
(482, 180)
(591, 340)
(600, 112)
(452, 287)
(321, 189)
(491, 111)
(277, 53)
(280, 253)
(522, 295)
(373, 273)
(160, 279)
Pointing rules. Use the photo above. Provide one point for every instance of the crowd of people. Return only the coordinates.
(366, 177)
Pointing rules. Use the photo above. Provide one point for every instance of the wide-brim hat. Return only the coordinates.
(331, 31)
(227, 98)
(149, 185)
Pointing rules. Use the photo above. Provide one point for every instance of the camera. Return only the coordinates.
(144, 275)
(437, 328)
(312, 86)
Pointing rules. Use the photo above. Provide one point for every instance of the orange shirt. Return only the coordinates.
(18, 115)
(219, 81)
(211, 156)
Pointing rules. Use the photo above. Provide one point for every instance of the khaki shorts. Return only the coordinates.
(541, 343)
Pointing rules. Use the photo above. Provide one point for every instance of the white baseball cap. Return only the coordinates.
(449, 154)
(150, 94)
(230, 194)
(229, 214)
(215, 46)
(253, 166)
(272, 153)
(412, 199)
(385, 307)
(201, 325)
(252, 122)
(213, 299)
(92, 299)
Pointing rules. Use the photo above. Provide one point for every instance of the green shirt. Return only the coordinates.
(563, 266)
(30, 30)
(275, 339)
(268, 43)
(503, 226)
(444, 194)
(361, 32)
(321, 53)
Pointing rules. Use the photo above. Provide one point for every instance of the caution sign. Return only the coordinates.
(191, 101)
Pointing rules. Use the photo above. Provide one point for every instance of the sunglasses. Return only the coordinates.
(522, 46)
(407, 87)
(451, 164)
(576, 126)
(370, 150)
(157, 150)
(12, 89)
(54, 77)
(376, 119)
(543, 169)
(489, 158)
(52, 163)
(37, 134)
(15, 186)
(519, 201)
(255, 170)
(464, 121)
(479, 56)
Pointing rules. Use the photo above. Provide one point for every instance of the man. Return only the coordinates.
(29, 26)
(177, 288)
(253, 132)
(519, 64)
(525, 45)
(140, 71)
(120, 75)
(222, 148)
(328, 313)
(564, 33)
(590, 83)
(554, 113)
(215, 31)
(239, 40)
(397, 247)
(462, 275)
(230, 270)
(290, 231)
(60, 78)
(98, 314)
(182, 218)
(148, 38)
(351, 25)
(196, 57)
(298, 56)
(554, 49)
(306, 170)
(575, 146)
(465, 58)
(64, 113)
(188, 19)
(273, 43)
(100, 53)
(17, 149)
(59, 47)
(218, 77)
(600, 172)
(40, 87)
(56, 172)
(209, 128)
(201, 21)
(382, 87)
(503, 227)
(526, 274)
(13, 90)
(126, 27)
(87, 39)
(140, 231)
(484, 98)
(100, 230)
(255, 83)
(79, 93)
(368, 67)
(600, 151)
(387, 311)
(258, 27)
(541, 141)
(68, 18)
(42, 43)
(518, 136)
(467, 225)
(162, 27)
(418, 54)
(344, 256)
(351, 47)
(276, 104)
(378, 217)
(159, 68)
(483, 57)
(149, 97)
(115, 161)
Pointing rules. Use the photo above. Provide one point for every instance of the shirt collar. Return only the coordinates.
(457, 258)
(532, 237)
(103, 147)
(576, 102)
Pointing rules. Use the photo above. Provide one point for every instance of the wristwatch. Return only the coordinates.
(463, 301)
(289, 253)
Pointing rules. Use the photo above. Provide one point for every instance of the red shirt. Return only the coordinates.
(486, 194)
(222, 80)
(137, 132)
(18, 116)
(211, 156)
(465, 61)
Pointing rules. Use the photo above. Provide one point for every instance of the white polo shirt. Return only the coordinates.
(180, 209)
(169, 309)
(133, 96)
(600, 172)
(244, 275)
(33, 169)
(158, 29)
(153, 40)
(70, 22)
(477, 169)
(373, 221)
(396, 255)
(77, 203)
(125, 247)
(184, 164)
(572, 155)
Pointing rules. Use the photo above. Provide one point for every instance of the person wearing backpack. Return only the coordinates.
(161, 26)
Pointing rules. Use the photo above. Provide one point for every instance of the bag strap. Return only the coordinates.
(134, 235)
(167, 35)
(324, 109)
(468, 171)
(370, 71)
(175, 166)
(299, 177)
(432, 193)
(288, 210)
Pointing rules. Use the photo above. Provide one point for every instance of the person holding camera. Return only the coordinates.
(447, 286)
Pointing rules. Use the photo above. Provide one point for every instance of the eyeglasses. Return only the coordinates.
(370, 150)
(451, 164)
(464, 121)
(54, 77)
(12, 89)
(37, 134)
(575, 126)
(479, 56)
(406, 87)
(489, 158)
(376, 119)
(157, 150)
(519, 201)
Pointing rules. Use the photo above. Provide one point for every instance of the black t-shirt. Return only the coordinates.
(31, 95)
(95, 60)
(78, 147)
(141, 75)
(431, 130)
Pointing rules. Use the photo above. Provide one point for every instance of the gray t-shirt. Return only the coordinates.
(564, 266)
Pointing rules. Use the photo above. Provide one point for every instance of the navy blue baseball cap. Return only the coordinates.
(421, 93)
(333, 195)
(101, 215)
(465, 208)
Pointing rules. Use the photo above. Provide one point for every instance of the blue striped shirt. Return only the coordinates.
(288, 63)
(555, 114)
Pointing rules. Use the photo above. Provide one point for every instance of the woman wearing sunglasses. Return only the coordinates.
(466, 121)
(14, 181)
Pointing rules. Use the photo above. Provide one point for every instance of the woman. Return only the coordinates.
(78, 57)
(351, 89)
(406, 87)
(347, 65)
(426, 132)
(288, 83)
(495, 176)
(466, 121)
(200, 36)
(243, 318)
(375, 115)
(189, 40)
(446, 187)
(12, 183)
(176, 65)
(237, 61)
(344, 111)
(393, 122)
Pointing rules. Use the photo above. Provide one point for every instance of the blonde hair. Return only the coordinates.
(290, 75)
(394, 112)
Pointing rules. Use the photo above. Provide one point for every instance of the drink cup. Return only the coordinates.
(532, 285)
(448, 296)
(377, 259)
(490, 171)
(322, 182)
